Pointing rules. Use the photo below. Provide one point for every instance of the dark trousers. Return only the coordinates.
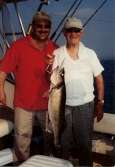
(78, 132)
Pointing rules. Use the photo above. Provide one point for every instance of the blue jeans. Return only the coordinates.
(78, 132)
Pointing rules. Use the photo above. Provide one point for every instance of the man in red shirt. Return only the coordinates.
(28, 59)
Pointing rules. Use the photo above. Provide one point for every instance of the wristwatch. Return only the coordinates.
(101, 101)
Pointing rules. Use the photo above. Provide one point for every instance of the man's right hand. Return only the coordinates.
(49, 62)
(2, 92)
(49, 59)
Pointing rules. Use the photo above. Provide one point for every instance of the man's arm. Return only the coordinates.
(100, 97)
(2, 92)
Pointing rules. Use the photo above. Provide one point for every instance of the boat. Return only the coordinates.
(22, 11)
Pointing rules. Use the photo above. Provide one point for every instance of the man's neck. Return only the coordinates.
(38, 44)
(73, 50)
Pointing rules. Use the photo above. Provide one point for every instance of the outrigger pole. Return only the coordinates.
(102, 4)
(87, 21)
(54, 33)
(19, 18)
(71, 16)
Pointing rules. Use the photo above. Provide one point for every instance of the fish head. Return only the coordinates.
(57, 76)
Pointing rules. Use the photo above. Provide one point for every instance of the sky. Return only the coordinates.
(99, 33)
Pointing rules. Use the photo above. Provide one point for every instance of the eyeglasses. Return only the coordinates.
(73, 29)
(46, 26)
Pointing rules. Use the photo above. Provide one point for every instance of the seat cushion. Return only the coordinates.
(45, 161)
(6, 127)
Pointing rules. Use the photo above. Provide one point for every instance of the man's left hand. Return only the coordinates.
(99, 111)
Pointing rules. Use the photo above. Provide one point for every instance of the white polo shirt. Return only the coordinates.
(78, 74)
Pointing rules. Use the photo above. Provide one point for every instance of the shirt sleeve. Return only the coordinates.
(59, 57)
(55, 63)
(9, 60)
(56, 57)
(96, 66)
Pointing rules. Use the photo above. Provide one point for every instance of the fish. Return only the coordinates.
(56, 102)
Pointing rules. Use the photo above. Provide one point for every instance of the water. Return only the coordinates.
(109, 79)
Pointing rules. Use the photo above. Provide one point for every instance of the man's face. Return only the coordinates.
(73, 35)
(41, 30)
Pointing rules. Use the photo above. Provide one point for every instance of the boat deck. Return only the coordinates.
(36, 145)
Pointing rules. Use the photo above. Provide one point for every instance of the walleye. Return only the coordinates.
(56, 102)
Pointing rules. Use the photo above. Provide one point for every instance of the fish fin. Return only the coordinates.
(48, 124)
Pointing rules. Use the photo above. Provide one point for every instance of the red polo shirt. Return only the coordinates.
(28, 65)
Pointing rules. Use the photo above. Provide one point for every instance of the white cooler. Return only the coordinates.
(6, 127)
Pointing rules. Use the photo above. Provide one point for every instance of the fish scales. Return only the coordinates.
(56, 102)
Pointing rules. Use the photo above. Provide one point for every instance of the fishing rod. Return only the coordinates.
(76, 8)
(102, 4)
(54, 33)
(70, 16)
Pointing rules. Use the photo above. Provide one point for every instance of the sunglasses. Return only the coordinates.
(46, 26)
(73, 29)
